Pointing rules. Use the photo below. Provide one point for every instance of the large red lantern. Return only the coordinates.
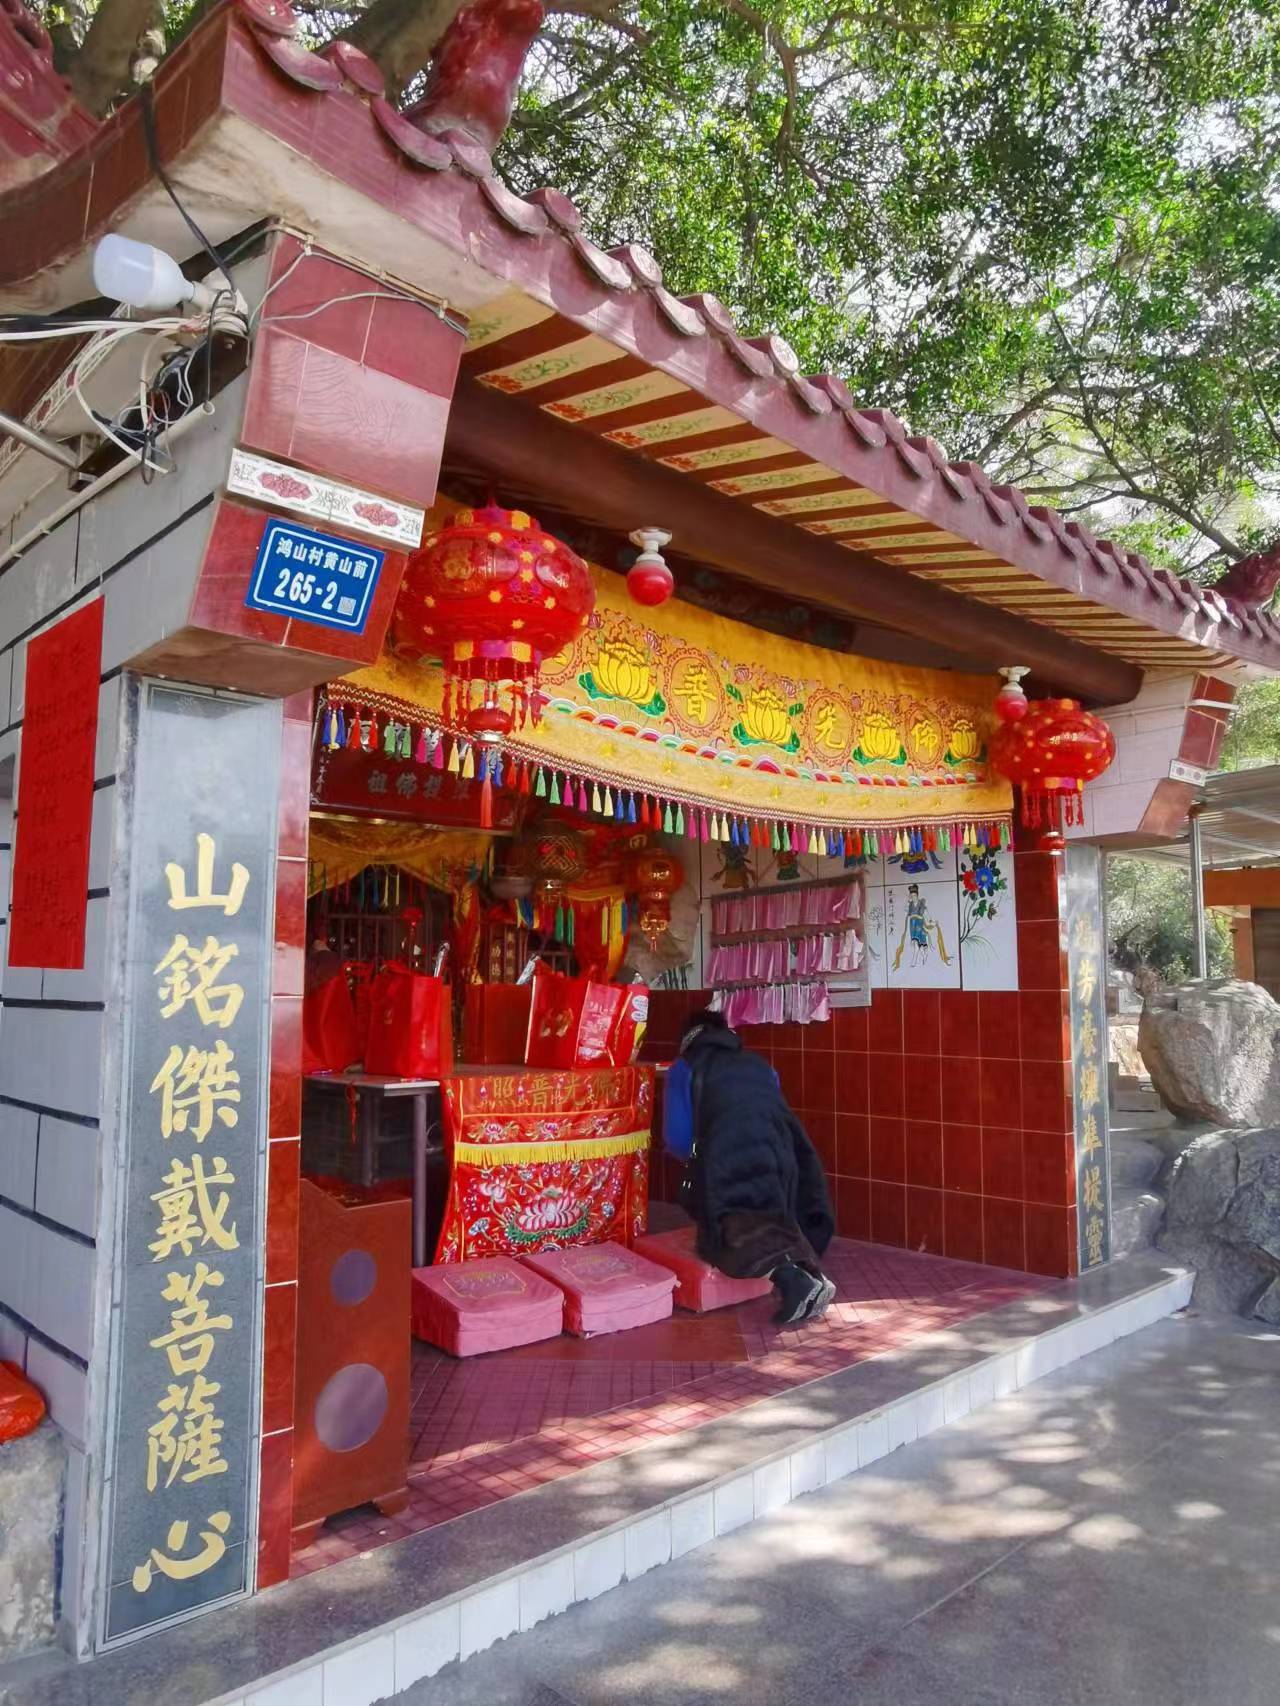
(653, 876)
(492, 596)
(1051, 752)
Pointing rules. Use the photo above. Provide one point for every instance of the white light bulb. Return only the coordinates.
(139, 275)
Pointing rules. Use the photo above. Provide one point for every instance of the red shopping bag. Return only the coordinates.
(330, 1040)
(410, 1026)
(629, 1026)
(496, 1022)
(571, 1022)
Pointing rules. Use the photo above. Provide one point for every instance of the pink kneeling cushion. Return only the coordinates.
(488, 1305)
(699, 1286)
(606, 1287)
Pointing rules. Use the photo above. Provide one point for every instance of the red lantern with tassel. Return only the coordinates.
(1050, 753)
(492, 596)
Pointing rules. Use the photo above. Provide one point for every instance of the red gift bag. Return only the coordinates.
(496, 1022)
(330, 1039)
(629, 1027)
(571, 1022)
(410, 1026)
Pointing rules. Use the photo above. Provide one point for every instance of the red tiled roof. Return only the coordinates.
(595, 338)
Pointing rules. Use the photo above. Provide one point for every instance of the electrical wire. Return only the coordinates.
(147, 100)
(434, 305)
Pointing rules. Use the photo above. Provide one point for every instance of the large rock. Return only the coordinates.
(31, 1479)
(1223, 1219)
(1211, 1049)
(1253, 1219)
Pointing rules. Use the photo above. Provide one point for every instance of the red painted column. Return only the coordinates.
(284, 1132)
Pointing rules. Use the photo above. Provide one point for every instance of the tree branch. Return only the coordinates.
(101, 71)
(607, 12)
(401, 35)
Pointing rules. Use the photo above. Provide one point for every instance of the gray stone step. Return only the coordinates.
(1134, 1161)
(1123, 1119)
(1137, 1102)
(1136, 1216)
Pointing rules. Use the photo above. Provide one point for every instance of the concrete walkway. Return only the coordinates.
(1109, 1535)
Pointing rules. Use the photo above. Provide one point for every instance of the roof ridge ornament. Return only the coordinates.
(475, 72)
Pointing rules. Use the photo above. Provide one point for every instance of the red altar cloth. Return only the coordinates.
(540, 1160)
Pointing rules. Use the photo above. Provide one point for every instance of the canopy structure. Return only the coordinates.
(1231, 847)
(587, 386)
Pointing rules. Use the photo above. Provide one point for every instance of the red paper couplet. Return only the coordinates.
(55, 793)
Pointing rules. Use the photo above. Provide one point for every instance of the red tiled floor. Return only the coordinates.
(494, 1426)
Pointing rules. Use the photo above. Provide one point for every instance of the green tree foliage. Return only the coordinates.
(1046, 232)
(1149, 921)
(1254, 735)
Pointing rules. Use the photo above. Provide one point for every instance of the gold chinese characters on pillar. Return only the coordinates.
(1087, 966)
(179, 1522)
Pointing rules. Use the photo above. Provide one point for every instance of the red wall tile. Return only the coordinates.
(888, 1214)
(275, 1508)
(1003, 1238)
(884, 1087)
(962, 1227)
(887, 1150)
(922, 1087)
(998, 1024)
(853, 1207)
(819, 1075)
(958, 1030)
(920, 1020)
(1002, 1169)
(922, 1143)
(1051, 1247)
(961, 1092)
(884, 1022)
(285, 1117)
(852, 1081)
(853, 1145)
(962, 1157)
(278, 1347)
(925, 1221)
(1001, 1082)
(283, 1171)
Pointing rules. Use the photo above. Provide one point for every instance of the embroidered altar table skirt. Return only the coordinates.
(487, 1305)
(607, 1288)
(542, 1160)
(700, 1287)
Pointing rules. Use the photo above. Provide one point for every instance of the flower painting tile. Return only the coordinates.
(988, 921)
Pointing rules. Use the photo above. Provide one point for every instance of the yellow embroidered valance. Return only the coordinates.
(680, 705)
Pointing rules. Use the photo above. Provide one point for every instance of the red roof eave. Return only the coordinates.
(329, 110)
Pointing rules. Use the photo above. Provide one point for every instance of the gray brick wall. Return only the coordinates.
(139, 549)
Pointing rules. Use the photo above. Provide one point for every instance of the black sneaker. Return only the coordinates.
(798, 1292)
(822, 1300)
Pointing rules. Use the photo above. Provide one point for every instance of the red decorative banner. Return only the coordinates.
(55, 793)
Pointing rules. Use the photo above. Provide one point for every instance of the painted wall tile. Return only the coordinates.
(922, 929)
(988, 921)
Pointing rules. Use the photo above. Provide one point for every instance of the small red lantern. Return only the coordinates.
(492, 596)
(649, 580)
(653, 876)
(1051, 753)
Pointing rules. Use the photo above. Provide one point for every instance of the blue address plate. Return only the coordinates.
(314, 576)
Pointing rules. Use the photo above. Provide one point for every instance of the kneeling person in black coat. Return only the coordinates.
(753, 1182)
